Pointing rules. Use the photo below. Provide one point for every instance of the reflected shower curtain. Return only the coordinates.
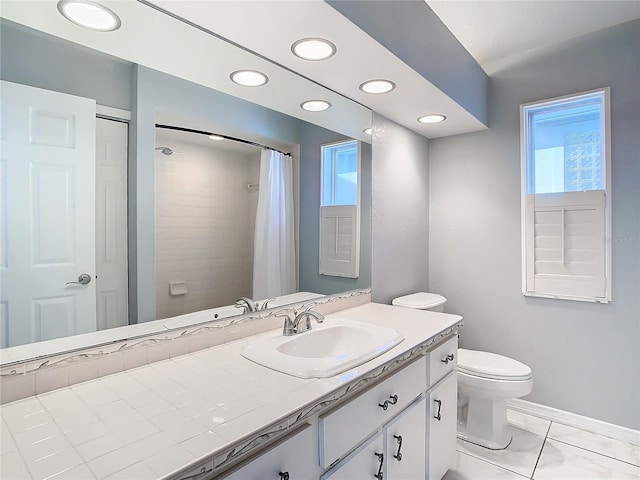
(274, 269)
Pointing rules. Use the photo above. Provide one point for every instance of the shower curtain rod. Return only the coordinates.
(226, 137)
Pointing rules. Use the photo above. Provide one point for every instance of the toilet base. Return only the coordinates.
(485, 423)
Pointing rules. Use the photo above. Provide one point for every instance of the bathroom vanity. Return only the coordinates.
(217, 414)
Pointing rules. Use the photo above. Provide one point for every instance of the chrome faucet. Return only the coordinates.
(249, 305)
(246, 304)
(295, 326)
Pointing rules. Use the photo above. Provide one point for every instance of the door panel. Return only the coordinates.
(48, 214)
(111, 224)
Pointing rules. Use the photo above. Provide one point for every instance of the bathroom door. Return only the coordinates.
(47, 210)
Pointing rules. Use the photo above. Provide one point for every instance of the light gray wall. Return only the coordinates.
(311, 139)
(400, 211)
(39, 60)
(584, 356)
(414, 33)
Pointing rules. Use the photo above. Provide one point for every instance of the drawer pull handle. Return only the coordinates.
(393, 399)
(379, 475)
(448, 358)
(398, 455)
(284, 476)
(437, 416)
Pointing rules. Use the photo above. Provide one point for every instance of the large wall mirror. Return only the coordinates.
(168, 214)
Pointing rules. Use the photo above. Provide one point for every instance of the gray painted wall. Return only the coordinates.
(39, 60)
(414, 33)
(400, 211)
(585, 357)
(311, 139)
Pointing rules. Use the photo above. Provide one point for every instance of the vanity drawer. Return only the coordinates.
(346, 426)
(294, 456)
(442, 360)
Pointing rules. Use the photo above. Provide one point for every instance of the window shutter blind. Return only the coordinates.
(339, 241)
(565, 244)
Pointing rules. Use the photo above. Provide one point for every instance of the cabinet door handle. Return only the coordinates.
(284, 475)
(393, 399)
(379, 475)
(398, 455)
(448, 358)
(437, 416)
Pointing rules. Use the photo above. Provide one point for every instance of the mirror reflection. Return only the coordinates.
(163, 222)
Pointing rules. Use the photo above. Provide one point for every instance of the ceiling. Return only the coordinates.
(495, 30)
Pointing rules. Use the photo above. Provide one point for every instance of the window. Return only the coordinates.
(340, 210)
(565, 191)
(340, 173)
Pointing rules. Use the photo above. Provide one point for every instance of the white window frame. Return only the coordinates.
(605, 127)
(329, 266)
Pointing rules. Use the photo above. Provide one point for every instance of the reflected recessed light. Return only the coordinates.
(368, 131)
(215, 137)
(313, 49)
(315, 105)
(433, 118)
(377, 86)
(249, 78)
(89, 14)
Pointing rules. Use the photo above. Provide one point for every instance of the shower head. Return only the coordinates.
(164, 150)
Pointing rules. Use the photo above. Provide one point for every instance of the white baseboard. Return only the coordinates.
(599, 427)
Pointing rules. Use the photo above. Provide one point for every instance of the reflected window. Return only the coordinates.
(340, 173)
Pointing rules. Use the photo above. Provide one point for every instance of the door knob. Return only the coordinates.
(83, 279)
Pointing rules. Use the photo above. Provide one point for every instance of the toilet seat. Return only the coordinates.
(491, 365)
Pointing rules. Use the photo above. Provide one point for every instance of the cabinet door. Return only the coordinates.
(368, 461)
(405, 439)
(442, 412)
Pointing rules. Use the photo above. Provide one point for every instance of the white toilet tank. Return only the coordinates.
(421, 301)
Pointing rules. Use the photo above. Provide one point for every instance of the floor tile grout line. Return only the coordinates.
(593, 451)
(546, 435)
(501, 467)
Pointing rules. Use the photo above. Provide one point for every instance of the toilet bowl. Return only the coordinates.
(485, 382)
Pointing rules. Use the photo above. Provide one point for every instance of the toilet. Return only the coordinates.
(485, 382)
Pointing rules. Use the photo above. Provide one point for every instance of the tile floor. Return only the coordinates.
(545, 450)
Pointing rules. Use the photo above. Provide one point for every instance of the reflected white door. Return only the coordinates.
(111, 224)
(47, 214)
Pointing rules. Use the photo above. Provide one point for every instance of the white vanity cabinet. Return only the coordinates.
(292, 459)
(397, 451)
(405, 443)
(442, 419)
(442, 409)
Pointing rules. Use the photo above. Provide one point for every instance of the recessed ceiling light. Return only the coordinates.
(249, 78)
(89, 14)
(215, 137)
(432, 118)
(313, 49)
(315, 105)
(377, 86)
(368, 131)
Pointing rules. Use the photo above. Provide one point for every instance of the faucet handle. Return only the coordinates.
(264, 305)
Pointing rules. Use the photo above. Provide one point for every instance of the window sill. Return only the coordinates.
(565, 297)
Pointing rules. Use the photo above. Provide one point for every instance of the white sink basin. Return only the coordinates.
(327, 350)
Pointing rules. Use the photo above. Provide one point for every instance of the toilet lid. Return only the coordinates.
(420, 300)
(491, 365)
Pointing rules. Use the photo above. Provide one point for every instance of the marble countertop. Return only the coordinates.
(195, 411)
